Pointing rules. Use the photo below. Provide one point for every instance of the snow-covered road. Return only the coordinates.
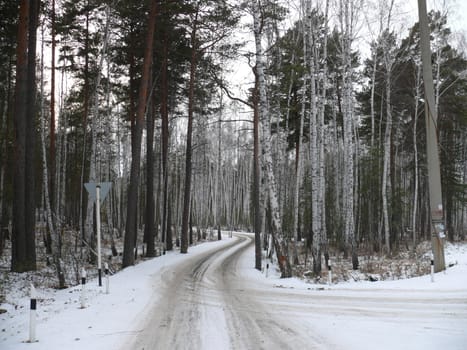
(213, 298)
(214, 301)
(205, 303)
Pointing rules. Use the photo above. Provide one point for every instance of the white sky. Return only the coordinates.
(456, 12)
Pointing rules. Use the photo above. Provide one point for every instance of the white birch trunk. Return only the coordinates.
(373, 74)
(372, 99)
(286, 158)
(94, 122)
(59, 169)
(299, 162)
(348, 181)
(218, 172)
(321, 138)
(387, 154)
(56, 250)
(386, 188)
(314, 148)
(265, 127)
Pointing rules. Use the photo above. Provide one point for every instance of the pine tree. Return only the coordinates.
(131, 221)
(23, 236)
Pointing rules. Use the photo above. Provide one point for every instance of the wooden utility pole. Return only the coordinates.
(431, 115)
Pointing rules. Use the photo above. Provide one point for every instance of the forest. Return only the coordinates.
(318, 146)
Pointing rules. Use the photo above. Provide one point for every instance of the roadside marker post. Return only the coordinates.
(32, 315)
(267, 270)
(98, 191)
(107, 279)
(329, 273)
(83, 288)
(432, 268)
(98, 226)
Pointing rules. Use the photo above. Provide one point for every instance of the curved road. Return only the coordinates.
(208, 302)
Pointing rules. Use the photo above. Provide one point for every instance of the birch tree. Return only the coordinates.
(278, 239)
(56, 240)
(346, 22)
(388, 58)
(322, 137)
(317, 28)
(305, 11)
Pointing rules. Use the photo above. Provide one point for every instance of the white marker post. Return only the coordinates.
(329, 273)
(107, 279)
(98, 192)
(98, 224)
(32, 316)
(83, 288)
(267, 270)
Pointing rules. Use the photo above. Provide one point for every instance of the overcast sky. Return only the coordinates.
(457, 11)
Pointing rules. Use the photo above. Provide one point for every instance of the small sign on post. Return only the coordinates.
(98, 191)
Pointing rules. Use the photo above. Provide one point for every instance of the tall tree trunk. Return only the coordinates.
(388, 62)
(387, 149)
(149, 219)
(4, 157)
(348, 142)
(31, 132)
(52, 109)
(23, 237)
(278, 240)
(189, 136)
(218, 170)
(164, 136)
(314, 148)
(56, 240)
(85, 215)
(298, 158)
(90, 223)
(132, 202)
(256, 177)
(321, 142)
(169, 235)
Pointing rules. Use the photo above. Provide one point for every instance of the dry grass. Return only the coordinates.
(372, 267)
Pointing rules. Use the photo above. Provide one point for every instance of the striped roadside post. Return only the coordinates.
(107, 279)
(32, 315)
(83, 288)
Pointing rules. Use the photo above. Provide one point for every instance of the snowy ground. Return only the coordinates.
(212, 298)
